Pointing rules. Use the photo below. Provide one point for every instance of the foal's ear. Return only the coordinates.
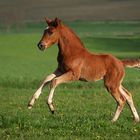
(48, 21)
(57, 22)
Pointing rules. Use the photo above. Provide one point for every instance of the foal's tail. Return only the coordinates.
(131, 63)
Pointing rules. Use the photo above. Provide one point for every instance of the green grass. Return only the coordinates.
(83, 110)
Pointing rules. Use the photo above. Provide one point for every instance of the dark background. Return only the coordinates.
(35, 10)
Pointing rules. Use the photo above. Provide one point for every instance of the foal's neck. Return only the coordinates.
(69, 43)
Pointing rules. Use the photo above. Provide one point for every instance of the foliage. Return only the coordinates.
(83, 110)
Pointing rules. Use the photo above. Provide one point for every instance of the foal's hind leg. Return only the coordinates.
(130, 102)
(120, 105)
(114, 90)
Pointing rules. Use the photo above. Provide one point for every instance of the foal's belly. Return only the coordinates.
(92, 74)
(90, 79)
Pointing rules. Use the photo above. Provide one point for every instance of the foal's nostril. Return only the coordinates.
(40, 46)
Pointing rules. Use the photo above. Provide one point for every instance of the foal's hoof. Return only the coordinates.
(52, 111)
(30, 106)
(51, 107)
(113, 121)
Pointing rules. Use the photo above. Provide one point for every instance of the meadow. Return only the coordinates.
(83, 110)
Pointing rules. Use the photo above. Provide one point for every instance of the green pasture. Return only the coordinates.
(83, 110)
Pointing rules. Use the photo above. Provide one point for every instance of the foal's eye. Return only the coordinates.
(48, 31)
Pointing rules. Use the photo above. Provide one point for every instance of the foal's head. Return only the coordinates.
(50, 35)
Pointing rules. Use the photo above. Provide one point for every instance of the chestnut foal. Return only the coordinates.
(76, 63)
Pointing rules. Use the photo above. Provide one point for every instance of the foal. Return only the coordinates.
(76, 63)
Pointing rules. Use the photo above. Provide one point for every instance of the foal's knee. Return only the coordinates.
(49, 78)
(54, 83)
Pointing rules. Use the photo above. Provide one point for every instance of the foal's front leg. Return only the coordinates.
(55, 82)
(38, 92)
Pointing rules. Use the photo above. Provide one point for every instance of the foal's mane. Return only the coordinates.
(69, 37)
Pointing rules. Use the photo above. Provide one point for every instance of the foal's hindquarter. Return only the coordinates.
(111, 70)
(76, 63)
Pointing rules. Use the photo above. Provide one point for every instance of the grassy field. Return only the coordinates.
(83, 110)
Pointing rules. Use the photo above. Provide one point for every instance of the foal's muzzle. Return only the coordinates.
(41, 46)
